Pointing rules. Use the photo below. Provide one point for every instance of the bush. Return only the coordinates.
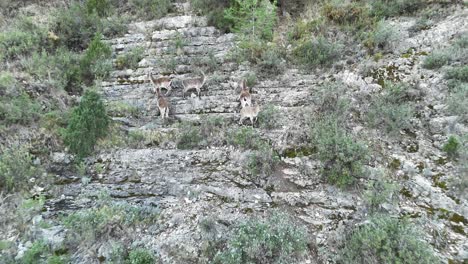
(140, 256)
(88, 122)
(76, 27)
(452, 147)
(379, 192)
(263, 161)
(458, 102)
(130, 59)
(348, 14)
(271, 61)
(391, 110)
(244, 137)
(254, 19)
(436, 60)
(18, 110)
(149, 9)
(268, 117)
(274, 240)
(384, 239)
(214, 11)
(389, 8)
(458, 73)
(22, 39)
(341, 155)
(317, 52)
(7, 82)
(96, 60)
(16, 169)
(382, 36)
(90, 224)
(190, 136)
(34, 253)
(59, 69)
(101, 7)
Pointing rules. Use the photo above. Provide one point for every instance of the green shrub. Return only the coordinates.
(140, 256)
(130, 59)
(268, 116)
(214, 11)
(122, 109)
(95, 62)
(452, 147)
(88, 122)
(58, 260)
(75, 26)
(382, 36)
(274, 240)
(254, 19)
(391, 110)
(22, 39)
(149, 9)
(317, 52)
(244, 137)
(90, 224)
(271, 61)
(190, 136)
(379, 192)
(436, 60)
(332, 101)
(19, 110)
(458, 73)
(353, 14)
(341, 155)
(101, 7)
(7, 82)
(16, 169)
(388, 8)
(34, 253)
(458, 101)
(384, 239)
(263, 161)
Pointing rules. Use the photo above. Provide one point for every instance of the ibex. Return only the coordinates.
(193, 83)
(161, 82)
(250, 112)
(163, 105)
(245, 97)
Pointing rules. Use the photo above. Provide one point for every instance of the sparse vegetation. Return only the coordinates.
(342, 156)
(263, 161)
(89, 225)
(88, 122)
(275, 240)
(317, 52)
(214, 11)
(389, 8)
(149, 9)
(140, 256)
(19, 109)
(436, 60)
(380, 191)
(458, 101)
(452, 147)
(130, 59)
(391, 109)
(244, 137)
(382, 37)
(384, 239)
(268, 116)
(17, 169)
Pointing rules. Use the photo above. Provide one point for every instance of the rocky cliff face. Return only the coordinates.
(189, 186)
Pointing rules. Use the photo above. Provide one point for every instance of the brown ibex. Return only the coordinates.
(245, 97)
(193, 83)
(163, 105)
(250, 112)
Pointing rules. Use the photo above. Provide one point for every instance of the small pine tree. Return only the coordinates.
(88, 123)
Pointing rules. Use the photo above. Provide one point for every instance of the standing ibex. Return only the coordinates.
(163, 105)
(193, 83)
(161, 82)
(245, 97)
(250, 112)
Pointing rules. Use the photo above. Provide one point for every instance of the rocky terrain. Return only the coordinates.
(190, 186)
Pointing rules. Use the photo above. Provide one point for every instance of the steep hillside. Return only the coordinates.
(365, 145)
